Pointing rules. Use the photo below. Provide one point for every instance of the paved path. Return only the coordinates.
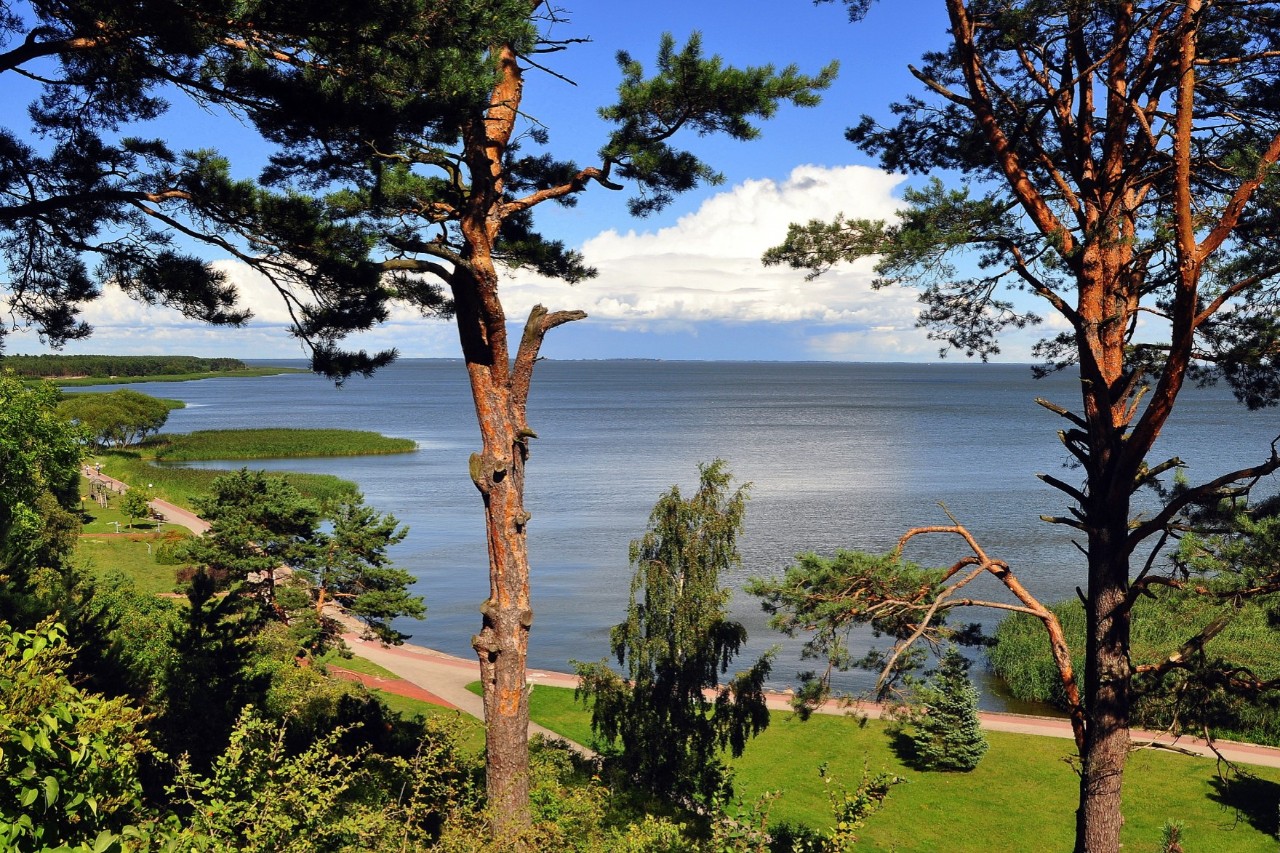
(444, 678)
(172, 513)
(447, 676)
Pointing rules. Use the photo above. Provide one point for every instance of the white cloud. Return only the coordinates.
(706, 267)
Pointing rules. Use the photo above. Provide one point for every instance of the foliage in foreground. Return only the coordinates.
(675, 644)
(68, 758)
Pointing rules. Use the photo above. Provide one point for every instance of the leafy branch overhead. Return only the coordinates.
(442, 161)
(696, 94)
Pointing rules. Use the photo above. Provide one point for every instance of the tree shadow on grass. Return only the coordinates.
(903, 747)
(1254, 800)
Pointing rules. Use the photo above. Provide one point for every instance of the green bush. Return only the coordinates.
(68, 758)
(166, 551)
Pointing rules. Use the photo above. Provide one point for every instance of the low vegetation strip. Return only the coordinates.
(48, 366)
(205, 445)
(1022, 659)
(246, 372)
(179, 485)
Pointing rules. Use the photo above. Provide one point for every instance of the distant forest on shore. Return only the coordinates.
(68, 366)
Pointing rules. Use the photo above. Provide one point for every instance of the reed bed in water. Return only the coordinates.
(204, 445)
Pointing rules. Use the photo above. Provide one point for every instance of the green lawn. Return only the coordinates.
(131, 553)
(133, 556)
(471, 730)
(355, 664)
(1022, 797)
(100, 519)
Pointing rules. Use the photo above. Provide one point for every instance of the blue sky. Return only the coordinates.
(683, 284)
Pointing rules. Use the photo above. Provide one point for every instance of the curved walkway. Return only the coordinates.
(447, 676)
(442, 679)
(172, 513)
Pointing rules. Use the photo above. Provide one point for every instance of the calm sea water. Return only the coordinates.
(839, 456)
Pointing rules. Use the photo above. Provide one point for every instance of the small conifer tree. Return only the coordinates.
(945, 733)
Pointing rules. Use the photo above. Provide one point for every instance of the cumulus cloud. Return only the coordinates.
(706, 267)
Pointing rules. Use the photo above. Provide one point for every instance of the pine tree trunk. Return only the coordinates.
(1112, 462)
(1107, 688)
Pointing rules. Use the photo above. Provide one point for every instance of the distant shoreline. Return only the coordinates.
(248, 372)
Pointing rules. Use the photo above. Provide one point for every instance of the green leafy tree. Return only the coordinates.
(264, 531)
(39, 492)
(208, 678)
(116, 419)
(136, 503)
(353, 569)
(1118, 163)
(675, 644)
(68, 758)
(943, 724)
(259, 525)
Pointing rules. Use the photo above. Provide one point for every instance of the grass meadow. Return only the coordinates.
(179, 485)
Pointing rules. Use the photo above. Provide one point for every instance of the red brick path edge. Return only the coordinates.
(396, 686)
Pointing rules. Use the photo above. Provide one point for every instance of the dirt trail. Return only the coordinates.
(448, 676)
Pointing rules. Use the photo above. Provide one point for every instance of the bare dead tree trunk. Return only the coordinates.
(503, 642)
(500, 392)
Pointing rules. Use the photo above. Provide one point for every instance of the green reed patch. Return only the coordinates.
(205, 445)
